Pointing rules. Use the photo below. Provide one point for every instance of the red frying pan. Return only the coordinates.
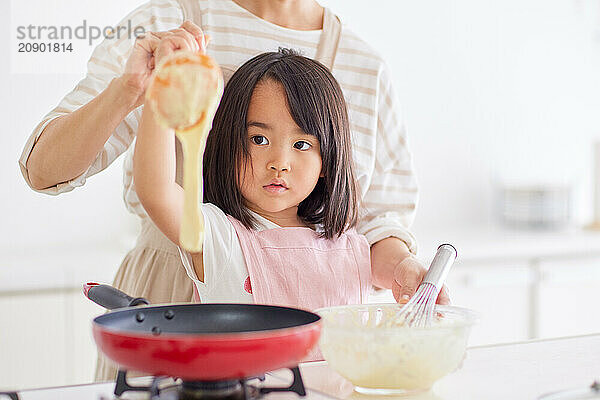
(201, 342)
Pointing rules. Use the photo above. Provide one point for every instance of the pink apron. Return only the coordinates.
(297, 268)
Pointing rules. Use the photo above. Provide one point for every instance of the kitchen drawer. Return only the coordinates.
(569, 297)
(45, 339)
(499, 293)
(33, 340)
(82, 351)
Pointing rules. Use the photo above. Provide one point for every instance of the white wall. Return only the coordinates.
(93, 214)
(490, 90)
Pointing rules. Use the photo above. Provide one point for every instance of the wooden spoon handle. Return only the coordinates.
(193, 140)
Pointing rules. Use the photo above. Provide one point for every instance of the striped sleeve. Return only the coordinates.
(106, 63)
(390, 201)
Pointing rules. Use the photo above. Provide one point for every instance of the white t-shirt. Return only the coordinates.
(225, 270)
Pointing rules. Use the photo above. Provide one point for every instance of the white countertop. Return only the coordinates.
(524, 370)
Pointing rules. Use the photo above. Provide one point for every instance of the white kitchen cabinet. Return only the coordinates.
(81, 352)
(569, 297)
(530, 298)
(45, 339)
(527, 298)
(498, 292)
(32, 340)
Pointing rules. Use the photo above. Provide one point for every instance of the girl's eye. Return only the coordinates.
(302, 145)
(259, 140)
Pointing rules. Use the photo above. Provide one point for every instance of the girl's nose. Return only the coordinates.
(279, 160)
(279, 167)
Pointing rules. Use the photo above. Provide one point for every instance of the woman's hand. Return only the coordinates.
(408, 275)
(149, 50)
(394, 267)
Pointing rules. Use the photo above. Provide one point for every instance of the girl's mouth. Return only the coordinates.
(274, 188)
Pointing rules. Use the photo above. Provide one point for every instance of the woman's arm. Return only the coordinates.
(70, 143)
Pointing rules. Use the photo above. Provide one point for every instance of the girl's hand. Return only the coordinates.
(408, 275)
(150, 49)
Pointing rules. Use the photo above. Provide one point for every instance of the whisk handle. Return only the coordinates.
(440, 266)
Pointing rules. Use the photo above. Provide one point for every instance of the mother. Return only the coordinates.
(97, 122)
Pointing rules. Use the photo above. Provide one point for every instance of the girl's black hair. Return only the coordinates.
(318, 107)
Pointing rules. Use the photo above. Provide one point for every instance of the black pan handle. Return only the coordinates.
(109, 297)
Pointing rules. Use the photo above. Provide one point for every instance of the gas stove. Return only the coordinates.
(269, 387)
(165, 388)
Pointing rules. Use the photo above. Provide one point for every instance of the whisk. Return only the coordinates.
(418, 312)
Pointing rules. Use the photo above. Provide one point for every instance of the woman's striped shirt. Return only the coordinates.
(383, 162)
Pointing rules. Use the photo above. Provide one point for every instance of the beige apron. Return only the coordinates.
(153, 269)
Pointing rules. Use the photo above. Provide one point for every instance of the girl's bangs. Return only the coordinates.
(298, 89)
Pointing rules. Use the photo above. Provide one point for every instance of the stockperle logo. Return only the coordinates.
(84, 31)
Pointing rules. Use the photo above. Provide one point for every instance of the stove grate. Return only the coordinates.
(238, 389)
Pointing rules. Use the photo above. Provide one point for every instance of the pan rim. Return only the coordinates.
(220, 336)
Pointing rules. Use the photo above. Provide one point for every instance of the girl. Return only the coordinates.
(280, 196)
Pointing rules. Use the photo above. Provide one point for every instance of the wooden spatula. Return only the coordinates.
(184, 91)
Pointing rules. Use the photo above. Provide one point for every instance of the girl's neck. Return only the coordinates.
(302, 15)
(287, 218)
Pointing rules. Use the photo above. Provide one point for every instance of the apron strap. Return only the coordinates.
(330, 38)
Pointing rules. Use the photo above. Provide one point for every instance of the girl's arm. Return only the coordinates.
(154, 166)
(154, 175)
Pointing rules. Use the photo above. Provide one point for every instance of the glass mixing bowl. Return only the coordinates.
(377, 359)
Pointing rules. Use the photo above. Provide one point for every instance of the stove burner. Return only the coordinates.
(238, 389)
